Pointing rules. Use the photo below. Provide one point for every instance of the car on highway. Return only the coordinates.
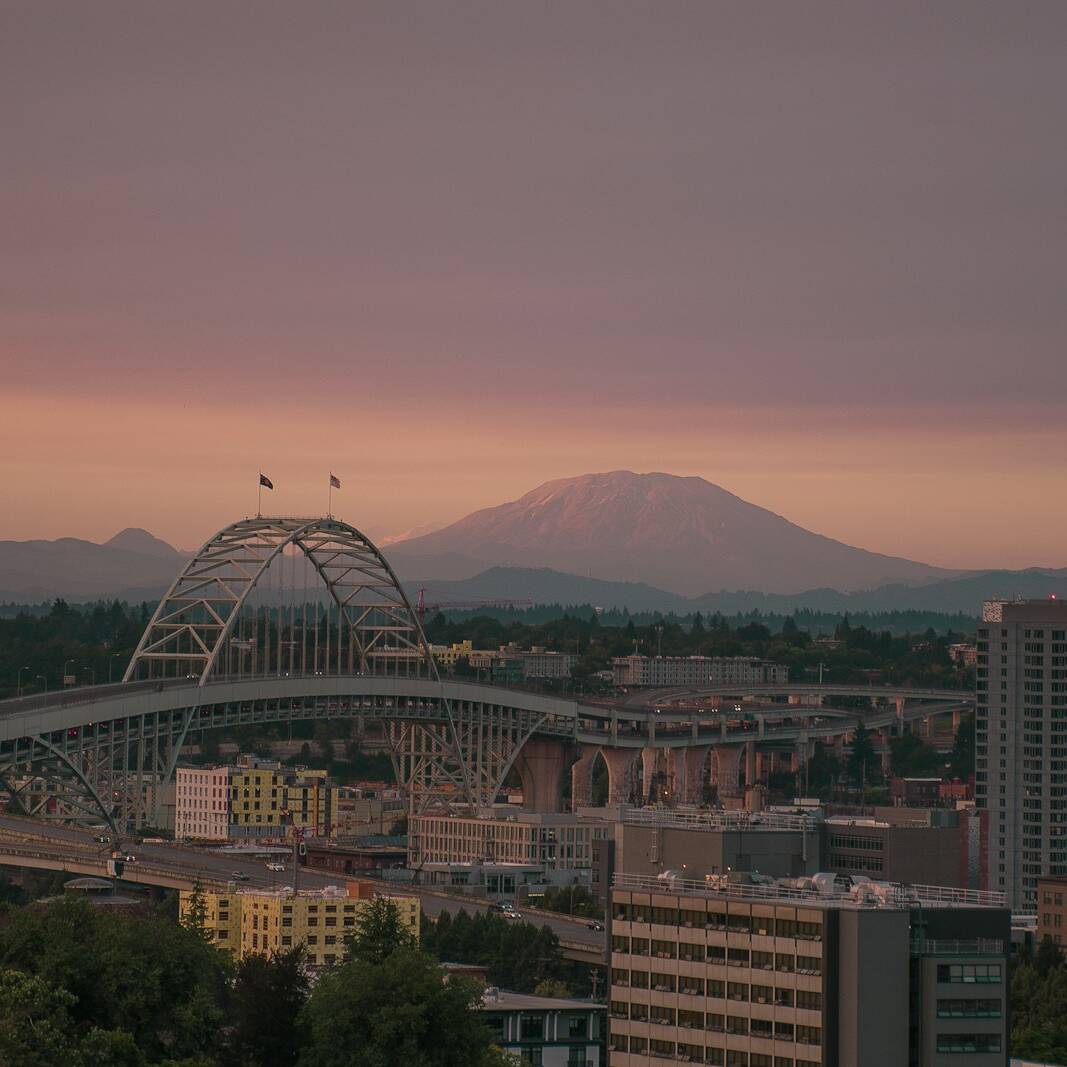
(275, 866)
(126, 857)
(102, 839)
(594, 925)
(510, 913)
(239, 876)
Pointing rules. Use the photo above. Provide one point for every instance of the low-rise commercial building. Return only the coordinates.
(805, 973)
(936, 846)
(266, 921)
(507, 851)
(696, 671)
(553, 1031)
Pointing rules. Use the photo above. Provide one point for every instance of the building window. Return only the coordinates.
(578, 1028)
(969, 972)
(533, 1029)
(968, 1042)
(968, 1009)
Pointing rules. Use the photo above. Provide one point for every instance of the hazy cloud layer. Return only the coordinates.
(735, 226)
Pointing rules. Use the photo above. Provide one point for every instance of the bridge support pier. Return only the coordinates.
(688, 778)
(582, 777)
(728, 769)
(649, 762)
(541, 764)
(620, 763)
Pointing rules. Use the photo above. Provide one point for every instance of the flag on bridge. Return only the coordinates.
(335, 482)
(265, 481)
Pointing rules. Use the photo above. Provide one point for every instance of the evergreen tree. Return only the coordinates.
(862, 767)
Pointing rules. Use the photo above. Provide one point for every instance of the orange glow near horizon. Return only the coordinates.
(85, 467)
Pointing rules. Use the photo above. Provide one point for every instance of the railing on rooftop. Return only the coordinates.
(982, 946)
(858, 895)
(719, 820)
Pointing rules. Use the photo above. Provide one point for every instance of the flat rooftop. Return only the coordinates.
(720, 820)
(819, 891)
(502, 1000)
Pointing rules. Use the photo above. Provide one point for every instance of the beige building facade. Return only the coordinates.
(745, 976)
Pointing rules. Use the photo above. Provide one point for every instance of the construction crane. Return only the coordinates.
(421, 607)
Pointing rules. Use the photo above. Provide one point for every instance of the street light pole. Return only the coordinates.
(43, 679)
(111, 664)
(92, 673)
(21, 669)
(65, 662)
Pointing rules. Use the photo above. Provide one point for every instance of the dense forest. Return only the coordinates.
(93, 642)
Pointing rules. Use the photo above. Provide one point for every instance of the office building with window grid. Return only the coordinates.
(806, 973)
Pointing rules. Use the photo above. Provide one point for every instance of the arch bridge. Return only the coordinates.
(296, 619)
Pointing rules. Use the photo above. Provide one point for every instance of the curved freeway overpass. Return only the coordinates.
(93, 747)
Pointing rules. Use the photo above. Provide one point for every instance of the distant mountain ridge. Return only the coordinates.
(684, 535)
(132, 565)
(541, 586)
(649, 542)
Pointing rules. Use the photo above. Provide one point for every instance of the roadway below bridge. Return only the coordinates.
(33, 844)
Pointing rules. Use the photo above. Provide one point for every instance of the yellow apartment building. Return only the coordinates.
(249, 921)
(262, 792)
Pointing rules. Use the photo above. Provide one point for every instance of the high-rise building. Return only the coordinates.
(1021, 743)
(806, 973)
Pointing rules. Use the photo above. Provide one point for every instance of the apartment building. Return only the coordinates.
(1021, 742)
(266, 797)
(696, 671)
(202, 803)
(246, 921)
(254, 799)
(540, 663)
(806, 973)
(551, 1031)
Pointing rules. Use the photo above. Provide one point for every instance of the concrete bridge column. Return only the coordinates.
(957, 718)
(582, 777)
(649, 759)
(759, 772)
(728, 761)
(898, 703)
(620, 762)
(541, 765)
(688, 773)
(750, 762)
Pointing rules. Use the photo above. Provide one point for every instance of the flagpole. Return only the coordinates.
(329, 512)
(259, 499)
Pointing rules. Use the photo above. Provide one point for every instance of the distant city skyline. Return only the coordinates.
(813, 255)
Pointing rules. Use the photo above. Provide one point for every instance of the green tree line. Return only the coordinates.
(84, 987)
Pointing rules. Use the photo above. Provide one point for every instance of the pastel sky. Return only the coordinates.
(812, 252)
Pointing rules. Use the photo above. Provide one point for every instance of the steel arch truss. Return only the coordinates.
(192, 628)
(116, 772)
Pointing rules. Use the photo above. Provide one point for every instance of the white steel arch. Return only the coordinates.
(193, 623)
